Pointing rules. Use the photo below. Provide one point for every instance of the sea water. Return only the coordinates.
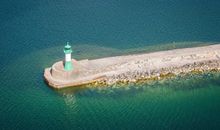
(32, 36)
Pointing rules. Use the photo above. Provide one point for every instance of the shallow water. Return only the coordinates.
(33, 33)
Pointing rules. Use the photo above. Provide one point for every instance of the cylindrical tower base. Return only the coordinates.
(68, 66)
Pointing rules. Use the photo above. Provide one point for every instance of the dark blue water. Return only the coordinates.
(32, 35)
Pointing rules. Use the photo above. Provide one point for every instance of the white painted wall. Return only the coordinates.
(68, 57)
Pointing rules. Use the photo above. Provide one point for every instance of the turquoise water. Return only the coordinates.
(33, 33)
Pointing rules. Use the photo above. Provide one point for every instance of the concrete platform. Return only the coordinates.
(132, 67)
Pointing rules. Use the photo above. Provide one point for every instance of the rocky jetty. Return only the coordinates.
(131, 68)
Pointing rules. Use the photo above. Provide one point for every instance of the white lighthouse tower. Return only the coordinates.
(68, 65)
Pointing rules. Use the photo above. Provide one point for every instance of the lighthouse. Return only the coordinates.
(68, 66)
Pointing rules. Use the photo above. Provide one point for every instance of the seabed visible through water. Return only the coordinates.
(175, 102)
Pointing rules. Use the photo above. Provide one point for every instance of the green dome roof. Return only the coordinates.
(67, 46)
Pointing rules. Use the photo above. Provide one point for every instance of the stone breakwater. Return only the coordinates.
(131, 68)
(156, 74)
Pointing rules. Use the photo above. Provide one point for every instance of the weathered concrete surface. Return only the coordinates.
(132, 67)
